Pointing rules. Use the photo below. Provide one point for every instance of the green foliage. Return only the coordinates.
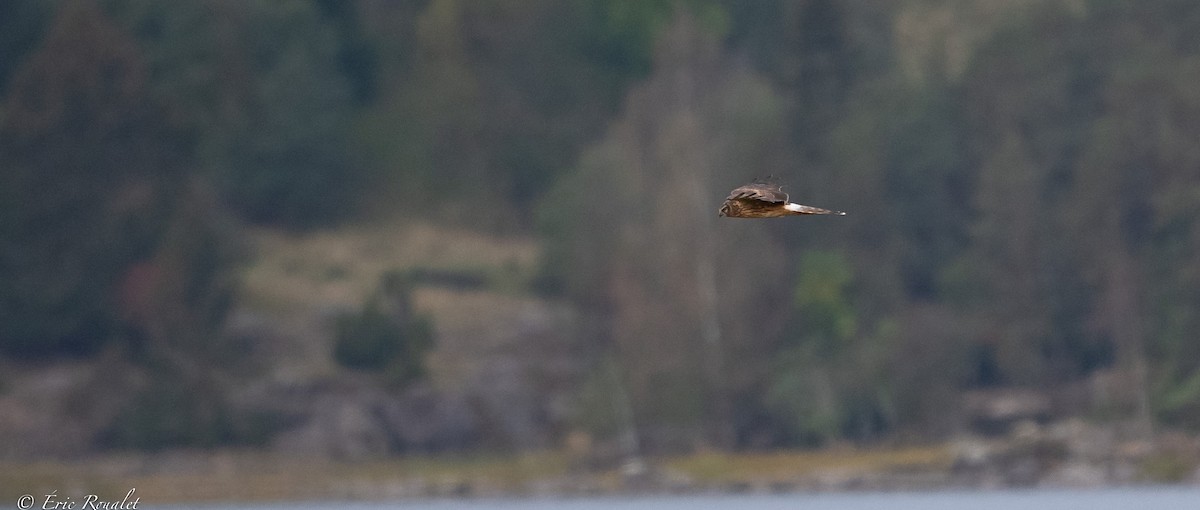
(926, 169)
(286, 160)
(368, 340)
(174, 304)
(598, 401)
(571, 264)
(1177, 400)
(22, 23)
(262, 84)
(386, 336)
(828, 379)
(171, 413)
(822, 301)
(178, 409)
(358, 56)
(496, 115)
(1169, 467)
(1024, 204)
(626, 30)
(623, 247)
(801, 398)
(91, 169)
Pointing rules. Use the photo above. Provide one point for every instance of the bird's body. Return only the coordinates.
(763, 200)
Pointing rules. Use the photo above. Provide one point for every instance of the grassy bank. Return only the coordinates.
(249, 476)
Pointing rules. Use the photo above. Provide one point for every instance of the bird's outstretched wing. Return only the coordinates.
(759, 191)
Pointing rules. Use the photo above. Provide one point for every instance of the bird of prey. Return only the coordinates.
(764, 200)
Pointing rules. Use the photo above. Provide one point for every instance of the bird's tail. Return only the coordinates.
(808, 209)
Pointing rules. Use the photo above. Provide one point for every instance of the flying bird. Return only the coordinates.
(764, 200)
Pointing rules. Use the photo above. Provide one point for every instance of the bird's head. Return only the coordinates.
(723, 211)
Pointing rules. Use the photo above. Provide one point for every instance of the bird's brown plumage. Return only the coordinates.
(764, 200)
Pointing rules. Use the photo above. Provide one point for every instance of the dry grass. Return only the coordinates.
(714, 467)
(297, 282)
(246, 476)
(250, 476)
(300, 280)
(339, 268)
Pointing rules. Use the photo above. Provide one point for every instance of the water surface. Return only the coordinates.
(1142, 498)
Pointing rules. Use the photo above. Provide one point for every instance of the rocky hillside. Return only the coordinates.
(499, 373)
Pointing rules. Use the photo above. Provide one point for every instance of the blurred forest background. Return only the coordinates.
(360, 228)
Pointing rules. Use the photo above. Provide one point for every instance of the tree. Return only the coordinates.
(492, 101)
(105, 240)
(386, 335)
(680, 295)
(809, 393)
(92, 165)
(1027, 97)
(261, 84)
(1128, 227)
(22, 24)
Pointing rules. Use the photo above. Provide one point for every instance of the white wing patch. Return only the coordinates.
(808, 209)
